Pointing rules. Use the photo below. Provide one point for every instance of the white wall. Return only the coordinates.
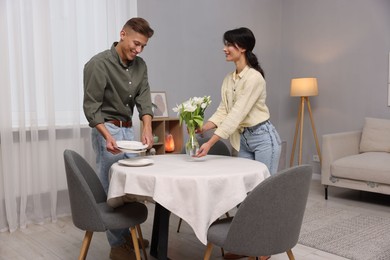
(345, 44)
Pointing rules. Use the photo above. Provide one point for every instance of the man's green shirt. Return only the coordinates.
(112, 89)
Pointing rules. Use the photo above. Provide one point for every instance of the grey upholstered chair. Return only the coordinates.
(269, 220)
(90, 211)
(219, 148)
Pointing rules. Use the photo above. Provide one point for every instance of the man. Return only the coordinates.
(115, 81)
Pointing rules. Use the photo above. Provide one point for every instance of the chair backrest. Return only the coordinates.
(85, 191)
(219, 148)
(269, 220)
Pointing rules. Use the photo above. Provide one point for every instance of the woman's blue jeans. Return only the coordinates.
(261, 143)
(104, 160)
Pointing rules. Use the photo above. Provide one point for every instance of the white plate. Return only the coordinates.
(136, 161)
(132, 151)
(131, 145)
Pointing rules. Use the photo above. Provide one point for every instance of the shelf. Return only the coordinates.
(161, 127)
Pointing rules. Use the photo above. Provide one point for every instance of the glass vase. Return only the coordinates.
(192, 145)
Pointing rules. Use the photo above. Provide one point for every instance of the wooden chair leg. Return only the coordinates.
(290, 255)
(85, 245)
(141, 238)
(209, 249)
(133, 232)
(179, 225)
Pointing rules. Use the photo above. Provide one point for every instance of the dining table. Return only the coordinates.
(198, 190)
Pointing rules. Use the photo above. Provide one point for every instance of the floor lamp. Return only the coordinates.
(303, 88)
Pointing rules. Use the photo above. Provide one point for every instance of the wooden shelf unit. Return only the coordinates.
(161, 127)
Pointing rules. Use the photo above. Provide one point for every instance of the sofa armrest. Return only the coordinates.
(336, 146)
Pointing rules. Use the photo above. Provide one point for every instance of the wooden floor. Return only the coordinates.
(62, 240)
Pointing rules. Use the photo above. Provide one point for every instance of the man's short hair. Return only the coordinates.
(139, 25)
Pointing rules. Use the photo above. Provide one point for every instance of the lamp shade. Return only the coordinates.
(304, 87)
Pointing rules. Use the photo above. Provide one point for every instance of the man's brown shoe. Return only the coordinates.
(129, 242)
(233, 256)
(122, 252)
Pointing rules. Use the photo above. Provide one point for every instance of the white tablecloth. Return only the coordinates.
(199, 191)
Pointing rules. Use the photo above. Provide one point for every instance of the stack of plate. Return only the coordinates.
(131, 146)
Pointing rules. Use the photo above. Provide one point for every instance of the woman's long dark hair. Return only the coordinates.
(244, 38)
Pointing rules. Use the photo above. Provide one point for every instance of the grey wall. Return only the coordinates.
(344, 43)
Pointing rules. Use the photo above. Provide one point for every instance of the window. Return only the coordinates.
(48, 43)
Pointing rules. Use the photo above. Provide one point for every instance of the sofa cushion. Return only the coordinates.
(370, 166)
(375, 135)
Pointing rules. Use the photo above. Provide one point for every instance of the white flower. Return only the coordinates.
(192, 111)
(189, 106)
(176, 108)
(197, 100)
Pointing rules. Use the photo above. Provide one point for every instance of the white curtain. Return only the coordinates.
(44, 45)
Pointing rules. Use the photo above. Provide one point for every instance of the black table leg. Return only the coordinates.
(159, 243)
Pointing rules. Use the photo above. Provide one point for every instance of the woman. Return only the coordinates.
(242, 115)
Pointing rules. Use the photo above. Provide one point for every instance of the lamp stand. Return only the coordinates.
(299, 126)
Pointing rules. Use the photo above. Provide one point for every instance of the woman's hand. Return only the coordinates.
(203, 150)
(206, 127)
(199, 130)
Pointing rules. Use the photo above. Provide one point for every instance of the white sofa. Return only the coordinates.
(358, 160)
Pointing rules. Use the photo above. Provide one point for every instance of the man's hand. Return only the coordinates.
(147, 136)
(111, 145)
